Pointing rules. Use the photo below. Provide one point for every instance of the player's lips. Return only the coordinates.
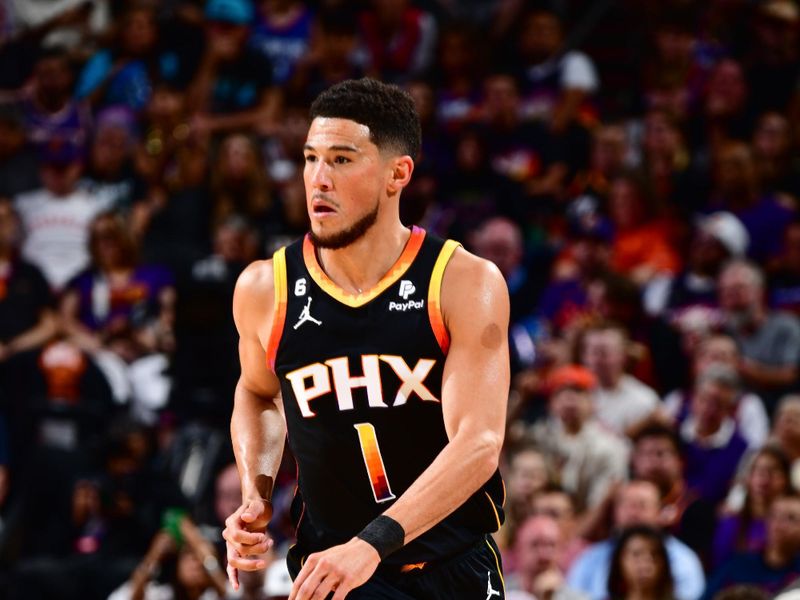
(321, 208)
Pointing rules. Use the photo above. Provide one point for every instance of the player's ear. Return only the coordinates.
(402, 168)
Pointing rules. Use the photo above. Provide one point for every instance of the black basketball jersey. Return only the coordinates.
(361, 379)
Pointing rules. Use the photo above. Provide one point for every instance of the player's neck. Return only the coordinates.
(361, 265)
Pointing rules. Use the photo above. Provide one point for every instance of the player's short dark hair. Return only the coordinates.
(386, 110)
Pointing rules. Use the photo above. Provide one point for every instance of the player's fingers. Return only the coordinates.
(305, 571)
(253, 510)
(247, 564)
(251, 550)
(327, 585)
(233, 576)
(341, 591)
(237, 535)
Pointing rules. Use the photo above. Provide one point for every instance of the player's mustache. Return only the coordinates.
(325, 198)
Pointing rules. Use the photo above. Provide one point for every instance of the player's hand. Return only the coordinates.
(339, 569)
(246, 538)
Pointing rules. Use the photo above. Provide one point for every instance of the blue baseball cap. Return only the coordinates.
(237, 12)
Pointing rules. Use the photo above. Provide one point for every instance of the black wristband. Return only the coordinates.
(384, 534)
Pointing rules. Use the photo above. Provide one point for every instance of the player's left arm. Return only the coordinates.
(475, 386)
(475, 389)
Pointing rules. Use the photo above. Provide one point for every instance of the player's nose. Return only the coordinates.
(321, 176)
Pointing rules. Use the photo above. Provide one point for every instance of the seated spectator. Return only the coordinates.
(458, 70)
(772, 143)
(123, 74)
(744, 530)
(558, 504)
(769, 340)
(239, 183)
(636, 503)
(712, 444)
(56, 218)
(784, 273)
(399, 39)
(558, 83)
(774, 567)
(527, 475)
(748, 409)
(233, 87)
(640, 568)
(786, 434)
(621, 401)
(537, 550)
(332, 57)
(121, 313)
(48, 109)
(717, 238)
(110, 173)
(587, 458)
(737, 189)
(656, 457)
(282, 32)
(641, 248)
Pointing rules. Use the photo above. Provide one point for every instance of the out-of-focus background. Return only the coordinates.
(631, 166)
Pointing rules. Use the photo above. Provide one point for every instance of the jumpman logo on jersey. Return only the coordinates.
(305, 315)
(489, 591)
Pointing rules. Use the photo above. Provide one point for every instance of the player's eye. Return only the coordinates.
(310, 158)
(341, 160)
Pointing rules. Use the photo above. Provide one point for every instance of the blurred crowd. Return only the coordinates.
(632, 168)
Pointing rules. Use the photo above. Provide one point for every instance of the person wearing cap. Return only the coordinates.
(233, 87)
(769, 340)
(717, 238)
(588, 458)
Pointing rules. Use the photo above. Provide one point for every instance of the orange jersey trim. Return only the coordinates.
(400, 266)
(435, 295)
(279, 308)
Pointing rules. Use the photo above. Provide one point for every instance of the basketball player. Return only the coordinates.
(382, 350)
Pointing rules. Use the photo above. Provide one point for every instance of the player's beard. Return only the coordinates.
(349, 235)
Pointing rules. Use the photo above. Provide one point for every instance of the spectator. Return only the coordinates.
(537, 550)
(282, 32)
(459, 68)
(558, 83)
(123, 74)
(786, 434)
(745, 530)
(121, 313)
(770, 341)
(636, 503)
(621, 401)
(656, 457)
(56, 217)
(737, 189)
(712, 444)
(640, 567)
(772, 140)
(556, 503)
(233, 87)
(641, 248)
(588, 458)
(784, 277)
(399, 39)
(777, 564)
(527, 475)
(717, 238)
(748, 409)
(47, 105)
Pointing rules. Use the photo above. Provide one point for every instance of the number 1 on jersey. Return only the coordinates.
(374, 462)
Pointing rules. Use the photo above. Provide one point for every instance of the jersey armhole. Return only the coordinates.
(435, 295)
(279, 307)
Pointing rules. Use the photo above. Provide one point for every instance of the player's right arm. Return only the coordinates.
(258, 427)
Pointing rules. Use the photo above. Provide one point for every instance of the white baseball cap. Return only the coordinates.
(726, 228)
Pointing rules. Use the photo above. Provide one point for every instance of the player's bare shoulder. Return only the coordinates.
(254, 297)
(473, 287)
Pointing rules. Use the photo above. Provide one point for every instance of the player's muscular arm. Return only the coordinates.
(258, 427)
(475, 388)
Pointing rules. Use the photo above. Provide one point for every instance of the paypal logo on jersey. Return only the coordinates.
(406, 289)
(404, 306)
